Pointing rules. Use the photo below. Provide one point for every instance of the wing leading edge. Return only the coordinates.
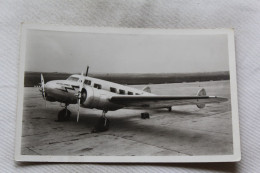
(164, 101)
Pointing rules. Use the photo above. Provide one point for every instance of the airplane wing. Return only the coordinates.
(164, 101)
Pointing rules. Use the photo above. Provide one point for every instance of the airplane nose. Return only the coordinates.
(50, 85)
(57, 91)
(52, 89)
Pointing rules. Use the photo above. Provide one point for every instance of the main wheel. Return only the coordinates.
(102, 125)
(145, 115)
(64, 115)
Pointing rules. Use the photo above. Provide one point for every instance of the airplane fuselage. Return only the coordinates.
(95, 93)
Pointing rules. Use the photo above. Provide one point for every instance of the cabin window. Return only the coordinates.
(121, 91)
(130, 93)
(113, 90)
(137, 94)
(98, 86)
(87, 82)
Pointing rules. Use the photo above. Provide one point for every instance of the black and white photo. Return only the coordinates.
(127, 95)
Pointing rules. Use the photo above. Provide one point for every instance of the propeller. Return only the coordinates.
(81, 82)
(87, 71)
(42, 89)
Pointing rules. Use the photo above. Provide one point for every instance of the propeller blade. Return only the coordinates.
(78, 110)
(87, 71)
(42, 85)
(81, 82)
(42, 89)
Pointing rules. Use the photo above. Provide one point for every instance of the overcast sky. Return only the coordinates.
(71, 52)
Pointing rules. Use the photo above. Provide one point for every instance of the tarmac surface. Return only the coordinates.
(187, 130)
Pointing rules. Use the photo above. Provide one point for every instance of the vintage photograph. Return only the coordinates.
(127, 95)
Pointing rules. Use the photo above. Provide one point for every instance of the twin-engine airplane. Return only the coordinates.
(88, 92)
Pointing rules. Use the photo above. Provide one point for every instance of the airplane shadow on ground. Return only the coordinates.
(142, 127)
(163, 127)
(92, 119)
(121, 124)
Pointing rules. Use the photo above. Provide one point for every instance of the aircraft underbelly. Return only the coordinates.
(61, 96)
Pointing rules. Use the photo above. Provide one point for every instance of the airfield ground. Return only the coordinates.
(186, 130)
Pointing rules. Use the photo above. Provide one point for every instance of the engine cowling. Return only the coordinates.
(96, 98)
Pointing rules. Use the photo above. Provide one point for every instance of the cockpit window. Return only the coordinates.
(71, 78)
(87, 82)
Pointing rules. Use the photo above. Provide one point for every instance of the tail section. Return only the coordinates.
(147, 89)
(201, 92)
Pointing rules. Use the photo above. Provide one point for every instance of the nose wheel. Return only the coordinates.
(102, 124)
(64, 114)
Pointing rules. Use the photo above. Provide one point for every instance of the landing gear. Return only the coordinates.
(170, 109)
(102, 124)
(64, 114)
(145, 115)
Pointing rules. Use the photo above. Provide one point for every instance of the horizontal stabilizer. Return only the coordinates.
(147, 89)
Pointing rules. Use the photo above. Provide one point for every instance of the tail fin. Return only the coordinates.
(147, 89)
(201, 92)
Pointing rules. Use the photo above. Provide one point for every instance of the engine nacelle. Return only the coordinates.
(99, 99)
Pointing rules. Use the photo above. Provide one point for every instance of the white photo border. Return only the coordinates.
(236, 156)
